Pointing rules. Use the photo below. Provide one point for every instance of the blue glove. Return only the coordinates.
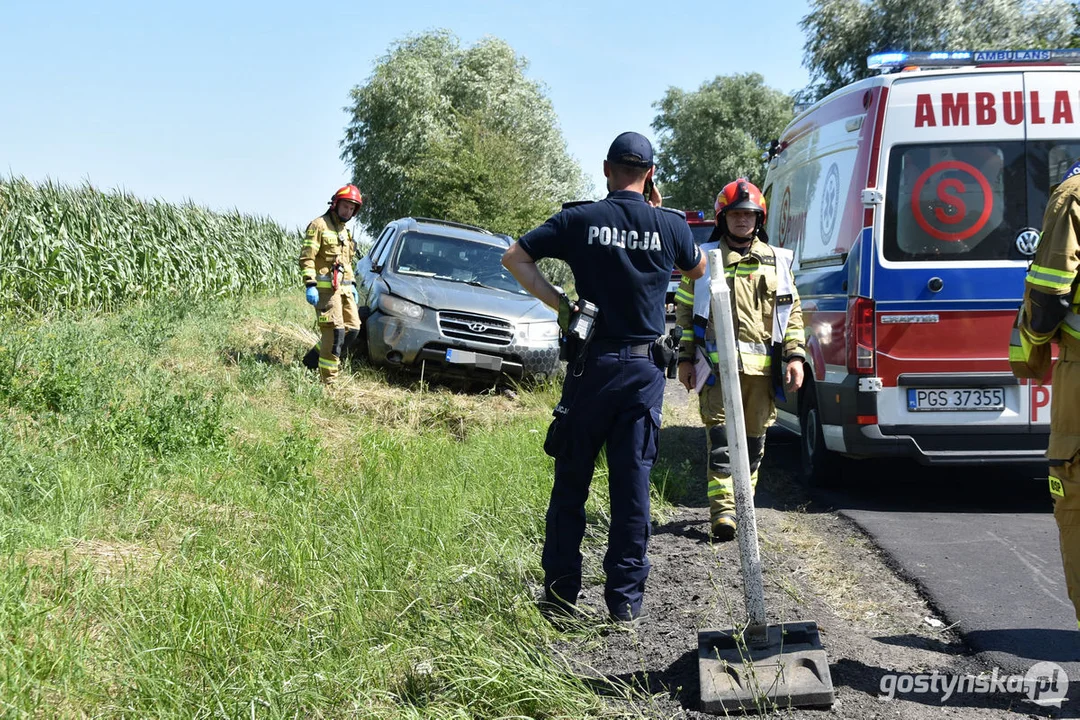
(355, 296)
(312, 295)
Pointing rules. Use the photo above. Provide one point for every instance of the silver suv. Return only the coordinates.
(435, 295)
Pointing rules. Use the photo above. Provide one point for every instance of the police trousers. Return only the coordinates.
(759, 412)
(339, 326)
(616, 401)
(1064, 458)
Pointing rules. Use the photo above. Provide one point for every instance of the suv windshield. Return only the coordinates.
(456, 260)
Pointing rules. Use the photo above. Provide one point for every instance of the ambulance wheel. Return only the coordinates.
(820, 466)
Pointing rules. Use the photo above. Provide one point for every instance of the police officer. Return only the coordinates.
(768, 331)
(621, 251)
(1051, 312)
(326, 263)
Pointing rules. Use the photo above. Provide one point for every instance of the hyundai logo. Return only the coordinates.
(1027, 242)
(479, 328)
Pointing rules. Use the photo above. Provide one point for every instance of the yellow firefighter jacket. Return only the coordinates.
(753, 281)
(328, 247)
(1051, 312)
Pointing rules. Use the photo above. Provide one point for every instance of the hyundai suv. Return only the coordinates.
(436, 296)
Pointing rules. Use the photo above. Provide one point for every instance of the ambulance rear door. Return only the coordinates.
(949, 266)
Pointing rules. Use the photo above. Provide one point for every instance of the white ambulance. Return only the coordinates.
(913, 203)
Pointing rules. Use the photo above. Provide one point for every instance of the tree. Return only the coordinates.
(841, 34)
(715, 134)
(459, 134)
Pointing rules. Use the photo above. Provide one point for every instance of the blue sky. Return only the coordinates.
(239, 104)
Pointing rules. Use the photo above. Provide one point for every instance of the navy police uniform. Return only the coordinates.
(621, 251)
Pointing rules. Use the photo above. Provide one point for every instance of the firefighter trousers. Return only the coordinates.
(339, 326)
(759, 412)
(615, 401)
(1064, 457)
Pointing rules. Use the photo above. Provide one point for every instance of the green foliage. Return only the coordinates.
(64, 248)
(459, 134)
(841, 34)
(475, 175)
(715, 134)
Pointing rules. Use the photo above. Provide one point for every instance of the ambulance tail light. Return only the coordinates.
(859, 334)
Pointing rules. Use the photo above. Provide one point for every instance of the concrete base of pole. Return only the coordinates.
(785, 668)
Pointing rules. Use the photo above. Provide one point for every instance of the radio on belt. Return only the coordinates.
(581, 322)
(577, 321)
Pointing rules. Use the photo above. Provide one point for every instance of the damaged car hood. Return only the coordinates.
(439, 294)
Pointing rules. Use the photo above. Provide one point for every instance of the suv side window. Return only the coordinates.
(383, 254)
(376, 247)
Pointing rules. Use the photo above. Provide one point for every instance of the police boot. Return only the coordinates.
(723, 527)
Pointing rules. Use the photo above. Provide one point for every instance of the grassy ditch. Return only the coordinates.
(191, 526)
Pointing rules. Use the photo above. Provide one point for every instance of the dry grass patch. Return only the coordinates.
(818, 566)
(105, 558)
(190, 507)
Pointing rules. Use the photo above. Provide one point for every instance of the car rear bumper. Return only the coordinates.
(989, 446)
(948, 441)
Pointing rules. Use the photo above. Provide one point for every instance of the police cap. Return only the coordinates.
(631, 148)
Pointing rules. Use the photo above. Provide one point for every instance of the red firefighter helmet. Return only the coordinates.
(740, 194)
(350, 193)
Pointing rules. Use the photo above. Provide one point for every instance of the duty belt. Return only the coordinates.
(605, 346)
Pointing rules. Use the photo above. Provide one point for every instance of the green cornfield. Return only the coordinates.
(66, 248)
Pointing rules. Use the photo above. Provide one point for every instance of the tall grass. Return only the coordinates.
(64, 247)
(191, 526)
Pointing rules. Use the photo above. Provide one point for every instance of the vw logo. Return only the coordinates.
(1027, 242)
(479, 328)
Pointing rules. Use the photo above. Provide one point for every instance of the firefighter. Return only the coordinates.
(615, 381)
(1051, 312)
(768, 332)
(326, 262)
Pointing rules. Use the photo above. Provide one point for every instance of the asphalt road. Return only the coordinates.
(981, 544)
(983, 547)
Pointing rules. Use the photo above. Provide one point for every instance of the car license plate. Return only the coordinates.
(480, 360)
(955, 399)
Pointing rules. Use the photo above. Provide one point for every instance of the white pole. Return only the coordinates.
(753, 587)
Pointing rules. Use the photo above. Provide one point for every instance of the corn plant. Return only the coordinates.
(64, 248)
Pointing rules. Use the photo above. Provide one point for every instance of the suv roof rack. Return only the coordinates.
(451, 223)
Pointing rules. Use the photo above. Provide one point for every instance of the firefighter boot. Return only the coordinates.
(723, 527)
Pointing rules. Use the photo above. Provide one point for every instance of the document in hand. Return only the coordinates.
(702, 369)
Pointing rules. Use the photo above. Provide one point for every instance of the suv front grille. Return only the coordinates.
(476, 328)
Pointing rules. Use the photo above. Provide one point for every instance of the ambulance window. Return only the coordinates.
(949, 201)
(1048, 161)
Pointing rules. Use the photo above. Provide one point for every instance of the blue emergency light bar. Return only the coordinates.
(695, 214)
(954, 58)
